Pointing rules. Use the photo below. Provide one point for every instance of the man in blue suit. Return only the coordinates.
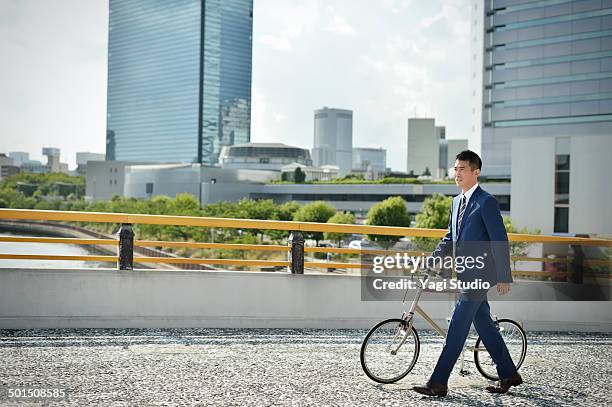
(475, 228)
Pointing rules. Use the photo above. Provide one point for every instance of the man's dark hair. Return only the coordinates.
(471, 157)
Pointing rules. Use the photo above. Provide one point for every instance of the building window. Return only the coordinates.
(149, 187)
(561, 220)
(562, 181)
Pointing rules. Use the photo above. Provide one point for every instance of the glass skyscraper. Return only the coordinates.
(544, 70)
(179, 79)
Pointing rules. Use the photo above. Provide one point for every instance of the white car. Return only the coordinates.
(355, 244)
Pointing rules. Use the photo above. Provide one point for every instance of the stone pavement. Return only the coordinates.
(117, 367)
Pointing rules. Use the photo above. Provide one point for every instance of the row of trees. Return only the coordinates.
(43, 193)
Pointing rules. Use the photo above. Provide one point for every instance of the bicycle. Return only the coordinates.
(391, 348)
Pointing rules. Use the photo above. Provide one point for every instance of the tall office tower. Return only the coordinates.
(476, 71)
(333, 139)
(53, 158)
(179, 79)
(547, 73)
(423, 146)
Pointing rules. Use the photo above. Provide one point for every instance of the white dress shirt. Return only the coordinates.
(468, 194)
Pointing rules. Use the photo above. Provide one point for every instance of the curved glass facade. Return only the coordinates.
(179, 78)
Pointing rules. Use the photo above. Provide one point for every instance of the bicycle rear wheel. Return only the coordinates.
(389, 351)
(516, 341)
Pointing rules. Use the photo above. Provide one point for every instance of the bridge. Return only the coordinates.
(125, 297)
(127, 336)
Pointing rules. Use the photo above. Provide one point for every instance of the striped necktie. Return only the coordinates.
(460, 217)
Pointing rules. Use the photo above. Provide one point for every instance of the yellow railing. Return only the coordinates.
(290, 226)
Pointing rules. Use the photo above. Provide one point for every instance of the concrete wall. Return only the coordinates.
(31, 298)
(590, 192)
(533, 183)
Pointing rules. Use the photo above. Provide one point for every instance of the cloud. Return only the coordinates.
(285, 22)
(397, 6)
(339, 25)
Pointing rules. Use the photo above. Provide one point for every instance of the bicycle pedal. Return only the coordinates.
(464, 373)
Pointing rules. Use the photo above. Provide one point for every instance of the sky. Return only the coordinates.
(386, 60)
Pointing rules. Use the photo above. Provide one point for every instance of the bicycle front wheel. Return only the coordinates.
(516, 342)
(389, 351)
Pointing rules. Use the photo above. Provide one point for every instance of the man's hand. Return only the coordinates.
(503, 288)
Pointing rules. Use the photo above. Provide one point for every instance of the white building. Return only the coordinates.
(83, 157)
(369, 159)
(20, 157)
(22, 160)
(333, 139)
(105, 179)
(562, 184)
(323, 173)
(263, 156)
(210, 184)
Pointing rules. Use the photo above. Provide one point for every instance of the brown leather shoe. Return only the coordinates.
(504, 384)
(432, 389)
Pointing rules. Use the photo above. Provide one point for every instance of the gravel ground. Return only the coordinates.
(278, 368)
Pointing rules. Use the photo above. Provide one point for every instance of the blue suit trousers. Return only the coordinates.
(477, 311)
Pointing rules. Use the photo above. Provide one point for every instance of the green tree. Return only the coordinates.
(284, 212)
(434, 215)
(287, 210)
(390, 212)
(263, 209)
(318, 211)
(346, 218)
(299, 175)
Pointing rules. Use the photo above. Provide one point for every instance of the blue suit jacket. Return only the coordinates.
(482, 233)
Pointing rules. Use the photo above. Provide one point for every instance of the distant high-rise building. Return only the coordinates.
(333, 139)
(83, 157)
(370, 159)
(53, 160)
(423, 146)
(429, 151)
(546, 72)
(7, 166)
(179, 79)
(19, 157)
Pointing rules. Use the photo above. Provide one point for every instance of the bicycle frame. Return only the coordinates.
(415, 308)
